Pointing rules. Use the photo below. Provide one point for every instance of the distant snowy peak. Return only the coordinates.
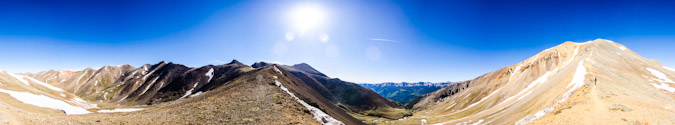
(410, 84)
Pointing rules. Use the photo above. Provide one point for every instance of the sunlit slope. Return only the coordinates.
(558, 86)
(36, 96)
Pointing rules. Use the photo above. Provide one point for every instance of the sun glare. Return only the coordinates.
(307, 17)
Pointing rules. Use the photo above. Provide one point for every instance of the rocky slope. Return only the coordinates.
(594, 82)
(351, 97)
(149, 84)
(171, 93)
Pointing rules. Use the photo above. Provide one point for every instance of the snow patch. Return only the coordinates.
(514, 72)
(478, 122)
(78, 79)
(623, 48)
(190, 91)
(210, 74)
(197, 94)
(534, 59)
(84, 104)
(577, 81)
(318, 114)
(119, 110)
(47, 102)
(44, 84)
(576, 50)
(451, 104)
(662, 78)
(277, 69)
(664, 87)
(541, 78)
(19, 77)
(23, 79)
(486, 97)
(125, 97)
(149, 85)
(660, 75)
(404, 118)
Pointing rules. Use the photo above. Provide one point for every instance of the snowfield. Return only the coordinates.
(47, 102)
(150, 85)
(661, 78)
(660, 75)
(514, 72)
(318, 114)
(277, 69)
(210, 74)
(486, 97)
(664, 87)
(119, 110)
(42, 83)
(623, 48)
(197, 94)
(20, 78)
(189, 91)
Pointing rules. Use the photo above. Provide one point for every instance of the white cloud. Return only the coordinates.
(384, 40)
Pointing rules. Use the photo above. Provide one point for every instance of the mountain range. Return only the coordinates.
(404, 93)
(598, 81)
(221, 94)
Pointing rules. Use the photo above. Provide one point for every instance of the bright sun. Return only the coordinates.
(307, 17)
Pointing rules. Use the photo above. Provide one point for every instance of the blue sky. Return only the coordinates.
(359, 41)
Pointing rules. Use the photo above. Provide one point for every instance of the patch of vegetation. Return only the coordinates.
(560, 111)
(247, 120)
(389, 113)
(620, 107)
(412, 102)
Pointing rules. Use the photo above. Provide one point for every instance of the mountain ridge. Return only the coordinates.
(598, 81)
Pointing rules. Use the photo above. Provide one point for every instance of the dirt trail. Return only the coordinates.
(599, 106)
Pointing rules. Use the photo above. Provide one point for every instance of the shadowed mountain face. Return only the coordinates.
(405, 93)
(349, 96)
(598, 81)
